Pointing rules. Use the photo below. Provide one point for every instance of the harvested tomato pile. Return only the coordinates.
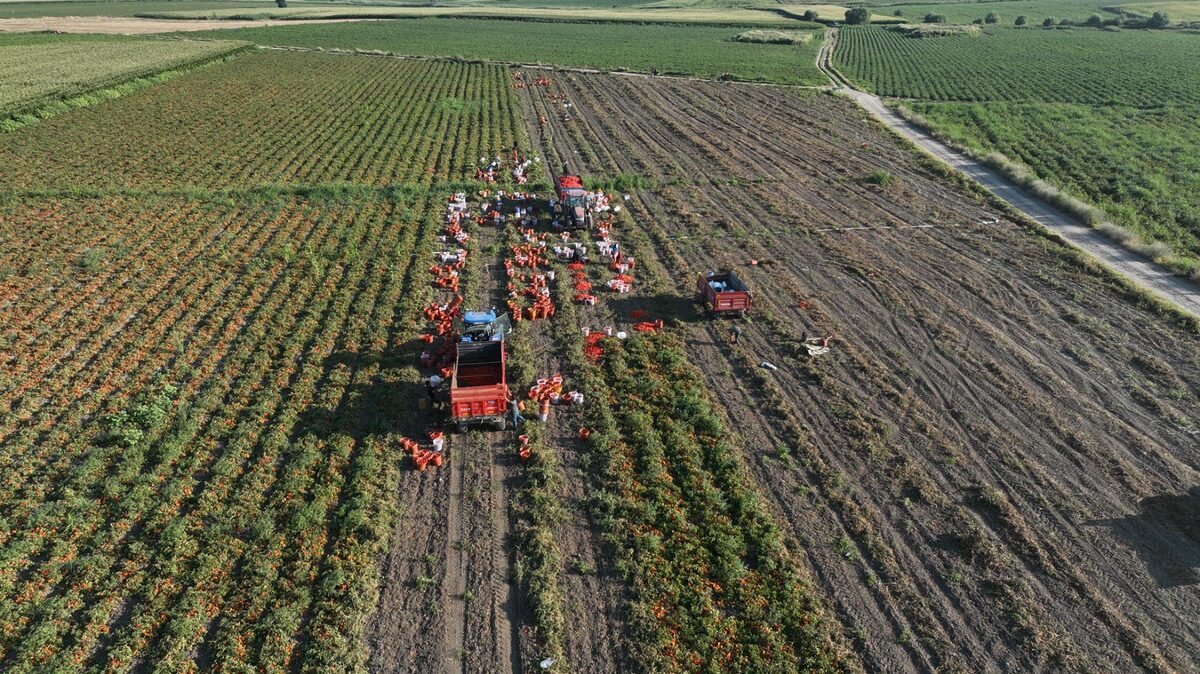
(528, 285)
(421, 457)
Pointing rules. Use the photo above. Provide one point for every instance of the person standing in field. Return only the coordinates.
(516, 412)
(736, 333)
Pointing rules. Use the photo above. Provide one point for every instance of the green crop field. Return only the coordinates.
(1131, 67)
(1108, 117)
(689, 50)
(1008, 10)
(1177, 11)
(268, 118)
(39, 69)
(1139, 165)
(722, 15)
(16, 10)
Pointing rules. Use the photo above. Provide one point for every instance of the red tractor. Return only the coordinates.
(574, 208)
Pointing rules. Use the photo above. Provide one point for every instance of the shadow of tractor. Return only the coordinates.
(1165, 533)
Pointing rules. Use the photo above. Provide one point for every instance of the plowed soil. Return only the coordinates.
(990, 471)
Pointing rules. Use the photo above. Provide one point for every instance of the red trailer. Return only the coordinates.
(722, 292)
(478, 387)
(574, 202)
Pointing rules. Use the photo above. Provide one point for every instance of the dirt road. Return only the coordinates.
(991, 470)
(1179, 291)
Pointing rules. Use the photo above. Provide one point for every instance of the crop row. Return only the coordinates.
(248, 345)
(1138, 68)
(275, 117)
(712, 582)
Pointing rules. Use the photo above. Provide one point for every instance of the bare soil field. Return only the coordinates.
(990, 471)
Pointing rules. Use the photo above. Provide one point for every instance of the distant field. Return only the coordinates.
(829, 12)
(1121, 68)
(1140, 166)
(274, 118)
(15, 10)
(718, 15)
(1034, 10)
(703, 51)
(37, 70)
(1178, 11)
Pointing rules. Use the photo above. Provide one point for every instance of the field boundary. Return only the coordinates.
(54, 105)
(1162, 283)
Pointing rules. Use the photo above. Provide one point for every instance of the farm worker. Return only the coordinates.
(737, 333)
(431, 388)
(516, 406)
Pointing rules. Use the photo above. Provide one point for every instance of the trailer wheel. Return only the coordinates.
(462, 427)
(742, 314)
(501, 424)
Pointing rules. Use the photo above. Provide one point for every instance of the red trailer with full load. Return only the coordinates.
(574, 202)
(722, 292)
(478, 387)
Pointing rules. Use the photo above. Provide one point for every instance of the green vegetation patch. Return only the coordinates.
(828, 13)
(1140, 166)
(1132, 67)
(775, 36)
(703, 51)
(710, 576)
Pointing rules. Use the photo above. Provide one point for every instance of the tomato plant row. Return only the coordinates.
(714, 588)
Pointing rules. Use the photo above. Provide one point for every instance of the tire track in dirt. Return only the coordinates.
(935, 333)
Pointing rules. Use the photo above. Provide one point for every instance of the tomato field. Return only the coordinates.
(231, 327)
(237, 341)
(276, 118)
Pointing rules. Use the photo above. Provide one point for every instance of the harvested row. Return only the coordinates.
(206, 487)
(988, 405)
(275, 118)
